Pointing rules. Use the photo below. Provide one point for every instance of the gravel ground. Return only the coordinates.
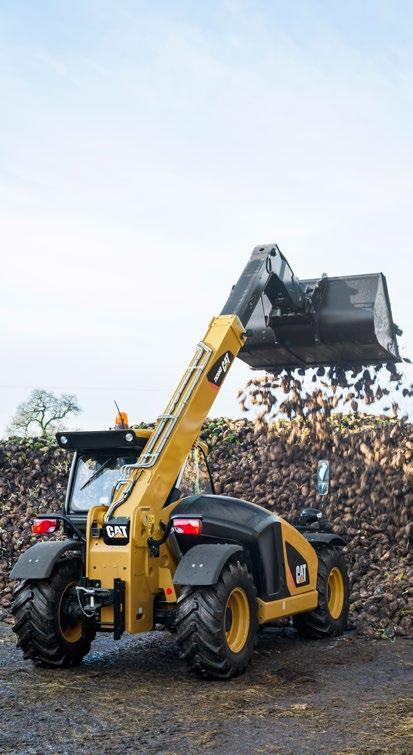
(348, 695)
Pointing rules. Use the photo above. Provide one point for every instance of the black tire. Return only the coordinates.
(207, 629)
(46, 635)
(329, 619)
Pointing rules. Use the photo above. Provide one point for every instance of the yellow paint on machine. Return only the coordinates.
(168, 445)
(189, 406)
(306, 550)
(286, 606)
(303, 597)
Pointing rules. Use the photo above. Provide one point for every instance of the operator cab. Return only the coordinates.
(97, 462)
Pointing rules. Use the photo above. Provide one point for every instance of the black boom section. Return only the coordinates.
(266, 272)
(231, 520)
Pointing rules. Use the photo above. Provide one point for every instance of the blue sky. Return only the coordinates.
(146, 148)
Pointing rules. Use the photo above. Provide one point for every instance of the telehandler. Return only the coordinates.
(147, 541)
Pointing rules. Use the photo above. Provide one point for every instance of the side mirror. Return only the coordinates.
(323, 477)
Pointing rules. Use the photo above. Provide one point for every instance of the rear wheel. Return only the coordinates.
(329, 619)
(48, 627)
(217, 625)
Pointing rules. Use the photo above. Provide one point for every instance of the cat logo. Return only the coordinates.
(301, 574)
(298, 571)
(117, 530)
(226, 362)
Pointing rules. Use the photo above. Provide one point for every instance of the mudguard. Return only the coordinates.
(38, 561)
(323, 538)
(203, 564)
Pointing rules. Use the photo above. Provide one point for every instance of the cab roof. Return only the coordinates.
(100, 440)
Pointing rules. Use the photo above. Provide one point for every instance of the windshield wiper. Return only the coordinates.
(98, 472)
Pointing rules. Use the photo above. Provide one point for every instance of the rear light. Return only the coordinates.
(44, 526)
(187, 526)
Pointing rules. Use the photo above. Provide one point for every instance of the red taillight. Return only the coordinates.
(188, 526)
(44, 526)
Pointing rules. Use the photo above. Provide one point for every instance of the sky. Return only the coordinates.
(147, 147)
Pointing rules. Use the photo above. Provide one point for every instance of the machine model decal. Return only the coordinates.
(220, 368)
(116, 532)
(298, 566)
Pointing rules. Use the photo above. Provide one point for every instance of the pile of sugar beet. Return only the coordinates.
(33, 477)
(271, 459)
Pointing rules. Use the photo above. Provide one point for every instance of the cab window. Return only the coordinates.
(94, 476)
(195, 477)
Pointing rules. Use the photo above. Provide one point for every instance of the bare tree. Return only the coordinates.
(42, 414)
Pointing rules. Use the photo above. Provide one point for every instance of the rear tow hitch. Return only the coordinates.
(92, 597)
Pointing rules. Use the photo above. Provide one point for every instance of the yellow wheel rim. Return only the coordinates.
(70, 632)
(335, 593)
(237, 620)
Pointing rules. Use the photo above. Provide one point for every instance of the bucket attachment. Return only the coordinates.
(346, 321)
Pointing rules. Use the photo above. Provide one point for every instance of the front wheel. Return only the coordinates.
(329, 619)
(48, 627)
(217, 625)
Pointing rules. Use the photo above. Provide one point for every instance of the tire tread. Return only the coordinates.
(34, 611)
(199, 624)
(318, 624)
